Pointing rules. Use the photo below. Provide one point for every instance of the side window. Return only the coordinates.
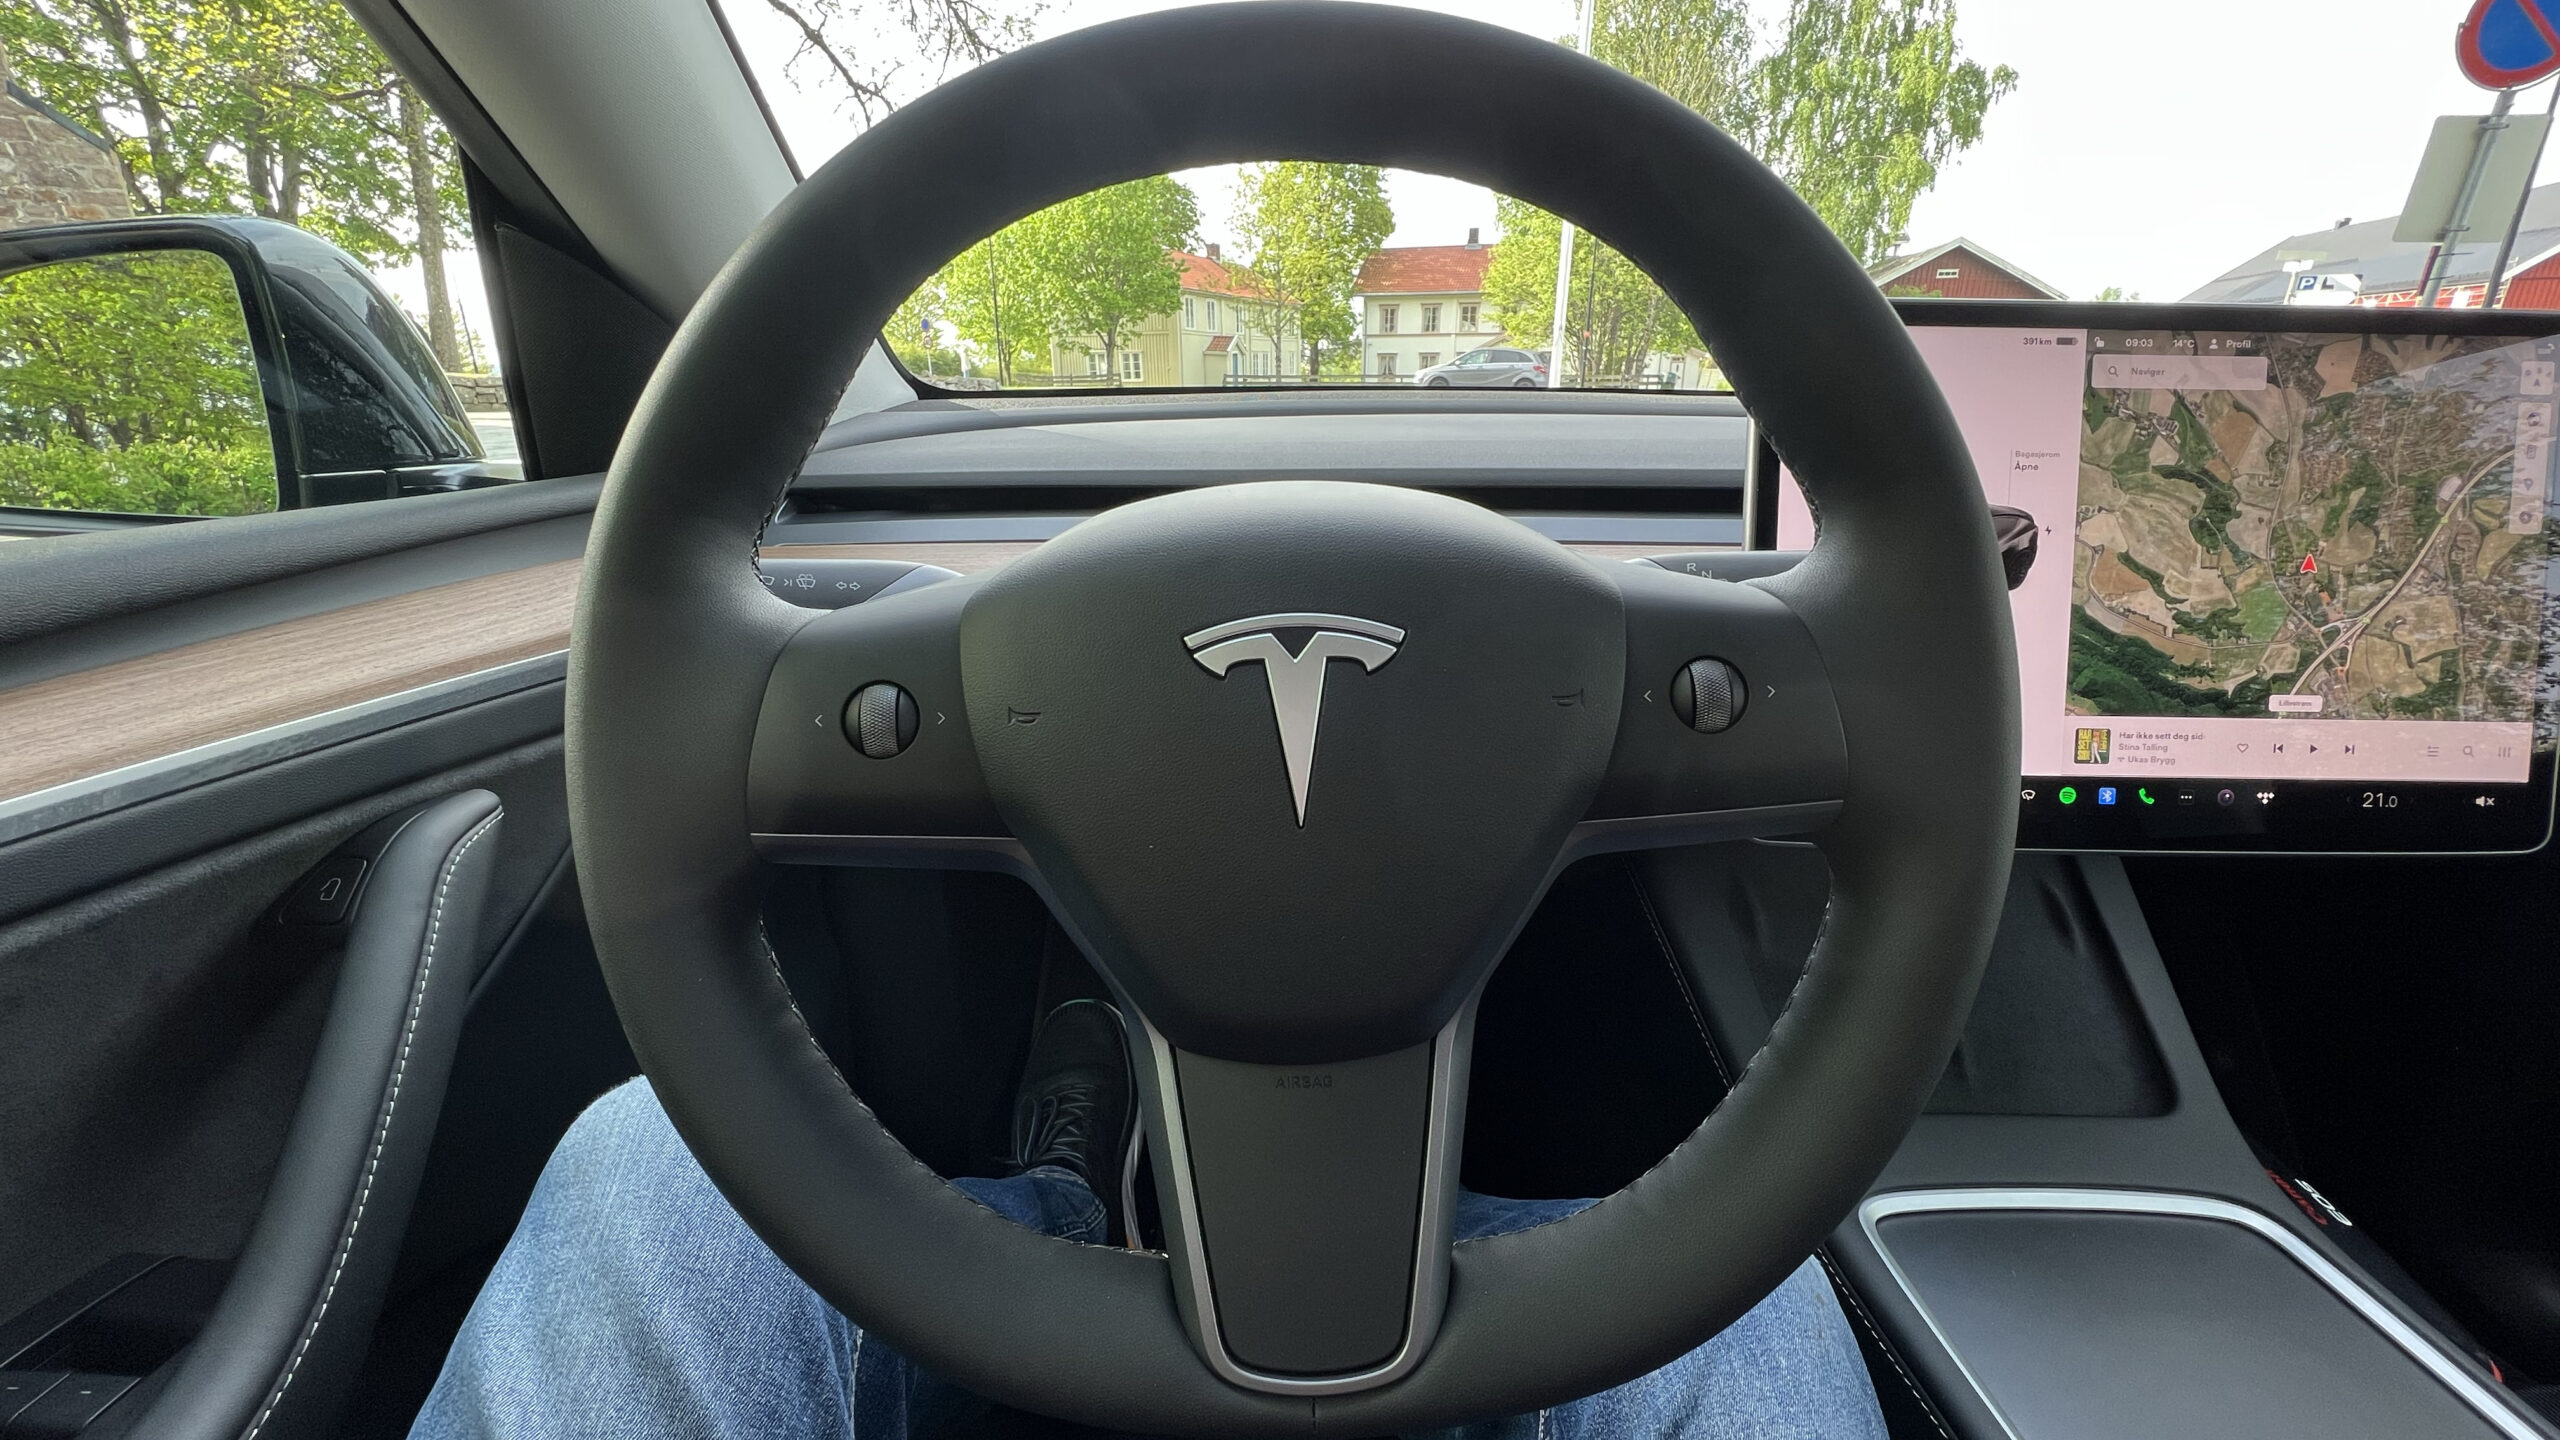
(281, 308)
(129, 384)
(1386, 319)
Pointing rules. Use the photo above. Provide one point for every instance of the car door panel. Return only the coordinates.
(221, 705)
(154, 1035)
(282, 1345)
(70, 860)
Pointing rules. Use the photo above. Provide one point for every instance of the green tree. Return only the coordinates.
(1861, 102)
(278, 108)
(1856, 105)
(2115, 293)
(1077, 274)
(1698, 52)
(1305, 228)
(1618, 316)
(1093, 267)
(914, 333)
(988, 297)
(127, 383)
(921, 335)
(123, 349)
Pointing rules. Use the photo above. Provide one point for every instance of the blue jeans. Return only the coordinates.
(634, 1302)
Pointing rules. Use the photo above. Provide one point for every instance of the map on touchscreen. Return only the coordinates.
(2310, 556)
(2309, 526)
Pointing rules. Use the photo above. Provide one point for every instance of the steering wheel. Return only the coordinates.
(1299, 922)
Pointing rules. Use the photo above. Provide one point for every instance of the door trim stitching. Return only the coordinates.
(381, 1124)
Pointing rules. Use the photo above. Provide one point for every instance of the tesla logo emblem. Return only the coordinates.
(1297, 681)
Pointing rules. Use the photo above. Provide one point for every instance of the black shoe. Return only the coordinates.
(1077, 1108)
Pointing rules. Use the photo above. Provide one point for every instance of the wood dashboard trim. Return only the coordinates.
(134, 711)
(72, 729)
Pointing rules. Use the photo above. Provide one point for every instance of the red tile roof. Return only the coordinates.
(1424, 270)
(1199, 272)
(1218, 344)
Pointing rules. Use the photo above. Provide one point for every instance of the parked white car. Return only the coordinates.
(1494, 366)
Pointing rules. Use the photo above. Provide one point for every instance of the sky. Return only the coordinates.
(2149, 146)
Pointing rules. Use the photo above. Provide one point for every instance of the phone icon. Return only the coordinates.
(2144, 796)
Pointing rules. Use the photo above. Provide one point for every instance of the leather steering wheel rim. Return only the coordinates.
(1902, 599)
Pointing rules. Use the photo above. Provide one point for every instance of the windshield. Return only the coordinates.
(2003, 149)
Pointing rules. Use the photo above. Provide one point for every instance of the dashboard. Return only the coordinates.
(2280, 578)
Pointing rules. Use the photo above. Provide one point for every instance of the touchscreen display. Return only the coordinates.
(2277, 577)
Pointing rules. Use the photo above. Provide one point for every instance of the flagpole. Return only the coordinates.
(1564, 251)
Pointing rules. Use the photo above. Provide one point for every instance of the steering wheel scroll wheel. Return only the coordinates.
(1293, 762)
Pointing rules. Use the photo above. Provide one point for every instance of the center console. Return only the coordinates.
(2281, 584)
(2093, 1312)
(2076, 1242)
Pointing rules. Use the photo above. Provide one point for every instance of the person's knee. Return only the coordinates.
(619, 1177)
(621, 1127)
(631, 1289)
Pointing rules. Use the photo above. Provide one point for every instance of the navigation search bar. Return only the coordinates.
(2177, 372)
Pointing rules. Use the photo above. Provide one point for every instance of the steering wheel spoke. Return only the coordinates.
(1728, 730)
(862, 751)
(1308, 1208)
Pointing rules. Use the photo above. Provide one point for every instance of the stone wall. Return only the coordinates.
(480, 392)
(51, 170)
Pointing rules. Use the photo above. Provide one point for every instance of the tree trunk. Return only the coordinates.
(146, 100)
(259, 158)
(431, 237)
(289, 192)
(76, 416)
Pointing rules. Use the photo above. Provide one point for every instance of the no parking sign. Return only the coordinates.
(2506, 44)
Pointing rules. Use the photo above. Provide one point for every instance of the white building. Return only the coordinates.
(1422, 305)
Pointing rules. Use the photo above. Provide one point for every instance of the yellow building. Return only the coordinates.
(1221, 333)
